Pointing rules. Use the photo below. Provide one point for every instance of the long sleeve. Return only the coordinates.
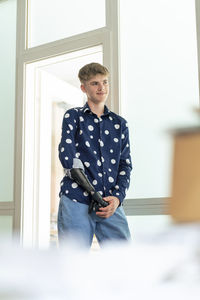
(125, 167)
(67, 146)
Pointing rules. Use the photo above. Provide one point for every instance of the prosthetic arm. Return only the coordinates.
(78, 175)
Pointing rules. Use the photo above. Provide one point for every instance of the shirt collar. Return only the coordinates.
(86, 108)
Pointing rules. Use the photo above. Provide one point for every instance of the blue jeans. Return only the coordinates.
(75, 222)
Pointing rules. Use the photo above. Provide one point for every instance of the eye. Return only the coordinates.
(94, 83)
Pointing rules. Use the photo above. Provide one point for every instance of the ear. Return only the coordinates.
(83, 88)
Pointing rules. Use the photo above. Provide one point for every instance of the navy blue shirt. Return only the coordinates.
(102, 144)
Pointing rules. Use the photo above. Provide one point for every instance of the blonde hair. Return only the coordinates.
(90, 70)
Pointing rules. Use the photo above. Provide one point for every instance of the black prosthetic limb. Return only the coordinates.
(81, 179)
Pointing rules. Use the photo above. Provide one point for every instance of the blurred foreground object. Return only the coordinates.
(164, 266)
(185, 201)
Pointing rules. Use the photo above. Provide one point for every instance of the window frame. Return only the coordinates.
(106, 36)
(7, 208)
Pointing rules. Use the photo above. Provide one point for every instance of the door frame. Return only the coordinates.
(106, 36)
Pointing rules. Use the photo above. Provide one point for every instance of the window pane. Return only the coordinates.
(144, 225)
(60, 19)
(7, 96)
(6, 226)
(159, 85)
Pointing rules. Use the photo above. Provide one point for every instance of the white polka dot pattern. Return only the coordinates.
(102, 145)
(74, 185)
(87, 144)
(68, 141)
(91, 128)
(87, 164)
(122, 173)
(110, 179)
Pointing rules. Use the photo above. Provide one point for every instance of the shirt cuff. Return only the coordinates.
(119, 195)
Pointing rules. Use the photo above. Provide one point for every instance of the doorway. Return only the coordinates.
(52, 87)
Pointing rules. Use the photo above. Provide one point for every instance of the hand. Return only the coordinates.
(106, 212)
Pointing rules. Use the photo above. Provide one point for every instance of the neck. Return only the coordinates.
(97, 109)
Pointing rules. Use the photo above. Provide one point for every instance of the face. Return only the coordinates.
(96, 89)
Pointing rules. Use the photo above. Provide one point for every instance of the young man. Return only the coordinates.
(99, 139)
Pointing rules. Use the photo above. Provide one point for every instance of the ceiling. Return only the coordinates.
(66, 67)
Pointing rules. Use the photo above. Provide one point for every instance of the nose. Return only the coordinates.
(100, 86)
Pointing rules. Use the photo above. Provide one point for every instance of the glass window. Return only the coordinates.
(159, 76)
(61, 19)
(6, 226)
(7, 96)
(144, 225)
